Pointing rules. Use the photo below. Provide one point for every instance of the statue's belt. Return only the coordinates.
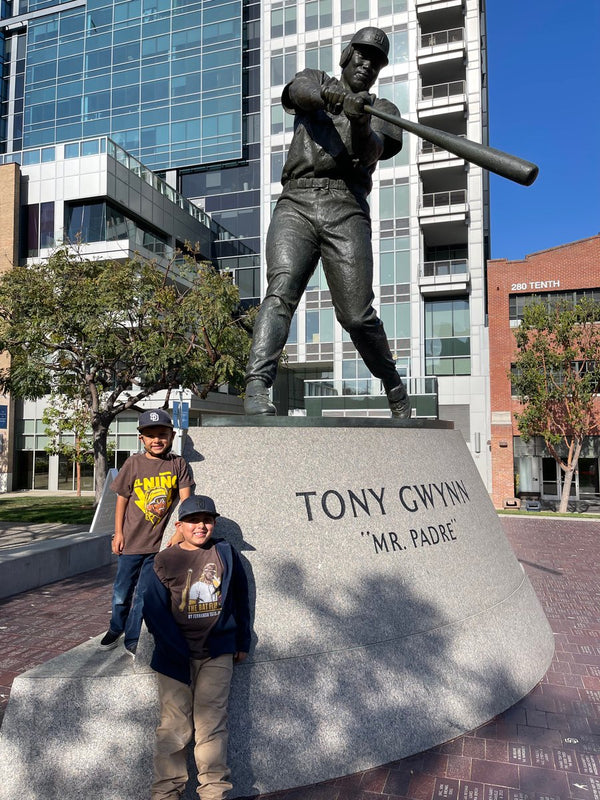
(316, 183)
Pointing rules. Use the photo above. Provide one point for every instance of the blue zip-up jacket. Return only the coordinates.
(230, 633)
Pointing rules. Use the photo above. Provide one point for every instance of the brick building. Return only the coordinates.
(569, 271)
(9, 226)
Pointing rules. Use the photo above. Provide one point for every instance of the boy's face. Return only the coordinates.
(196, 529)
(157, 440)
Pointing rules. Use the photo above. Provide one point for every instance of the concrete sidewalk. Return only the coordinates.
(546, 747)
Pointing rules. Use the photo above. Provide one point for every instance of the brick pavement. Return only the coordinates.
(546, 747)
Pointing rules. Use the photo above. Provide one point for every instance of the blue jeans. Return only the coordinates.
(133, 573)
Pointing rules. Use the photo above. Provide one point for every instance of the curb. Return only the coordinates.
(37, 564)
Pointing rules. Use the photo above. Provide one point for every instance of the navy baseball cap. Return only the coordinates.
(197, 504)
(156, 416)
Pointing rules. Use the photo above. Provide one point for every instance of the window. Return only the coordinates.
(283, 66)
(317, 281)
(390, 7)
(394, 201)
(39, 229)
(396, 320)
(293, 334)
(447, 337)
(100, 222)
(398, 47)
(319, 326)
(356, 378)
(319, 56)
(283, 20)
(396, 91)
(318, 14)
(394, 261)
(248, 282)
(354, 10)
(277, 159)
(517, 302)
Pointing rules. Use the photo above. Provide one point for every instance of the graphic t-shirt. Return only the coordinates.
(193, 578)
(152, 486)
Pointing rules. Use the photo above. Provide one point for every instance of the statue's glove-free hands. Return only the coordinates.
(354, 106)
(332, 94)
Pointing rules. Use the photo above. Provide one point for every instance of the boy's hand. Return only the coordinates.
(239, 657)
(117, 544)
(175, 539)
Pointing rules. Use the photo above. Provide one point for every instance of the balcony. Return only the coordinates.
(441, 45)
(433, 158)
(444, 217)
(442, 98)
(446, 277)
(444, 204)
(444, 40)
(440, 6)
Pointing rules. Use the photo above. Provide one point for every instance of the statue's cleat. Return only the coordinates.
(257, 400)
(399, 402)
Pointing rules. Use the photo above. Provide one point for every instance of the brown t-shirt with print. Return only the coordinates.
(193, 578)
(152, 487)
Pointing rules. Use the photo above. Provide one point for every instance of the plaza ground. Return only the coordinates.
(546, 747)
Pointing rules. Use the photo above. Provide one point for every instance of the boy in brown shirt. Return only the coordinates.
(148, 486)
(197, 608)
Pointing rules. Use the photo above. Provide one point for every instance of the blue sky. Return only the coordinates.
(544, 97)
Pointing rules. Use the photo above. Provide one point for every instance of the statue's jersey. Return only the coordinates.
(321, 146)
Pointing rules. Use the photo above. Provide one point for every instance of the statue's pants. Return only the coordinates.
(334, 225)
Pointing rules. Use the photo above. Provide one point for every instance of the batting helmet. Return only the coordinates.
(369, 37)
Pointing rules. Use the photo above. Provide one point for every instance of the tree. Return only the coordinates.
(112, 333)
(556, 374)
(69, 431)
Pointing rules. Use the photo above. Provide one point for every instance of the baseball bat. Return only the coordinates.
(503, 164)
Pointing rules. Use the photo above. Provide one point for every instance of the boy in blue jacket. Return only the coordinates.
(196, 607)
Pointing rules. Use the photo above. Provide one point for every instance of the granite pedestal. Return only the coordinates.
(390, 614)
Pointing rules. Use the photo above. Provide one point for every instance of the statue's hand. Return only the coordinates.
(333, 93)
(354, 106)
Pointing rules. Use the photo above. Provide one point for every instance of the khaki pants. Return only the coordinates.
(201, 707)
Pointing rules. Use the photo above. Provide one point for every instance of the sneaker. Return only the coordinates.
(109, 640)
(131, 649)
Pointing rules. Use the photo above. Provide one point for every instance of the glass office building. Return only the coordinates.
(163, 79)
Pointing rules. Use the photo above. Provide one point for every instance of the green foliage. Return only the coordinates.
(69, 429)
(556, 375)
(557, 370)
(111, 333)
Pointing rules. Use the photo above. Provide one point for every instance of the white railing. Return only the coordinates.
(454, 266)
(439, 38)
(439, 199)
(363, 387)
(428, 148)
(443, 91)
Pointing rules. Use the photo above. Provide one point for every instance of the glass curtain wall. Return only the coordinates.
(162, 78)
